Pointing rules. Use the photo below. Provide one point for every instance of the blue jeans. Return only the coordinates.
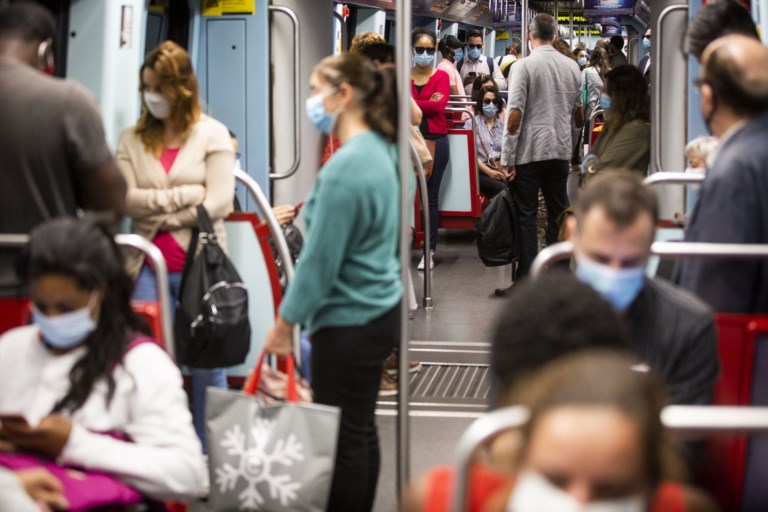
(202, 378)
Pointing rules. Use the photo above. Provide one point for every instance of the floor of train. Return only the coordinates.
(452, 342)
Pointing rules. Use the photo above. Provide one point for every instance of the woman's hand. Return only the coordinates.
(42, 486)
(491, 172)
(48, 438)
(285, 213)
(511, 173)
(279, 338)
(436, 97)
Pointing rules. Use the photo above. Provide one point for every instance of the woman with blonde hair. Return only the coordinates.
(175, 159)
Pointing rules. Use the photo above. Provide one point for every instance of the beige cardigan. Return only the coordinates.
(202, 173)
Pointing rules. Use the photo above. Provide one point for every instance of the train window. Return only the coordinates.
(167, 20)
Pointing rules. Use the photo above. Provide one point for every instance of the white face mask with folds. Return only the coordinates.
(534, 493)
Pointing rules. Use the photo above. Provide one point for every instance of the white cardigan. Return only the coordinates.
(164, 459)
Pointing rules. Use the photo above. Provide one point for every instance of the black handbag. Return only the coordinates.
(212, 329)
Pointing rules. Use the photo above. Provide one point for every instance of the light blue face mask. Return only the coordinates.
(316, 113)
(582, 61)
(474, 53)
(618, 286)
(423, 59)
(490, 110)
(67, 330)
(647, 42)
(605, 102)
(458, 54)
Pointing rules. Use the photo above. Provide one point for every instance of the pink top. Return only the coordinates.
(175, 256)
(453, 74)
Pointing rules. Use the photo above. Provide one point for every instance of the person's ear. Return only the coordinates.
(571, 224)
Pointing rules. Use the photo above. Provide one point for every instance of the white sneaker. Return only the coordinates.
(431, 261)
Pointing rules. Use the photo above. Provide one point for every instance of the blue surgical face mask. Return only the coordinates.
(647, 42)
(458, 54)
(423, 59)
(490, 110)
(474, 53)
(618, 286)
(582, 61)
(316, 113)
(605, 102)
(67, 330)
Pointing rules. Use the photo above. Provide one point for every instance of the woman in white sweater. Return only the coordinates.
(94, 390)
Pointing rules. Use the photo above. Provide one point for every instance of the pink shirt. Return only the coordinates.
(453, 74)
(175, 256)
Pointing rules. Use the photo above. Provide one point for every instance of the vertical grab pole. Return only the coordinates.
(427, 303)
(524, 28)
(403, 45)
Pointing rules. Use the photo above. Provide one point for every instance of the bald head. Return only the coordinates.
(735, 67)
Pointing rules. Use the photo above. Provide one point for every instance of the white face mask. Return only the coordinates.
(158, 105)
(534, 493)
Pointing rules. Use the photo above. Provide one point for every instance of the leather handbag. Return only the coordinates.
(211, 328)
(424, 150)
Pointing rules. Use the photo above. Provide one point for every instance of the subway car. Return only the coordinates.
(253, 60)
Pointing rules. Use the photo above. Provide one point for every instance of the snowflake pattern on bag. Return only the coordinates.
(256, 466)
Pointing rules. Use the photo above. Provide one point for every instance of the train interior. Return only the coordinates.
(253, 60)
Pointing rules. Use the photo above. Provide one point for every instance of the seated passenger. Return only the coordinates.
(83, 377)
(697, 153)
(596, 445)
(488, 135)
(626, 137)
(479, 86)
(671, 330)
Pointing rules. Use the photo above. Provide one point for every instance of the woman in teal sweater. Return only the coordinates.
(347, 287)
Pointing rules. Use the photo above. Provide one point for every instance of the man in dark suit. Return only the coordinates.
(732, 206)
(645, 63)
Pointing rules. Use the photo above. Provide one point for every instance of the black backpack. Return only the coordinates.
(498, 232)
(211, 329)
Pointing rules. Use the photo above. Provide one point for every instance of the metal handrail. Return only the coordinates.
(296, 93)
(679, 419)
(427, 301)
(151, 251)
(343, 25)
(673, 178)
(666, 250)
(277, 235)
(474, 143)
(591, 125)
(656, 115)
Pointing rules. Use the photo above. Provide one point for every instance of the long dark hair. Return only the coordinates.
(629, 96)
(480, 102)
(85, 250)
(375, 89)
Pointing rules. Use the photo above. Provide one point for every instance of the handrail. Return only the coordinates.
(403, 44)
(459, 96)
(591, 125)
(666, 250)
(629, 50)
(161, 276)
(474, 143)
(680, 419)
(673, 178)
(296, 93)
(427, 301)
(343, 25)
(656, 114)
(277, 235)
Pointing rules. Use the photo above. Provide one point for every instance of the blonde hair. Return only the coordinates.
(703, 147)
(365, 39)
(178, 84)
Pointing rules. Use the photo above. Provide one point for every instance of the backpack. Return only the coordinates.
(498, 232)
(211, 328)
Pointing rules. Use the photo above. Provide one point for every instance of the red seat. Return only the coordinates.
(15, 312)
(722, 467)
(150, 311)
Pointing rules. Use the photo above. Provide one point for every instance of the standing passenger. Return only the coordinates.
(476, 64)
(54, 156)
(544, 106)
(174, 159)
(347, 287)
(451, 49)
(430, 88)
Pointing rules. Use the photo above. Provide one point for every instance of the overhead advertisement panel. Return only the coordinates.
(471, 12)
(596, 8)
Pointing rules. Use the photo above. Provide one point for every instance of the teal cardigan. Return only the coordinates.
(348, 273)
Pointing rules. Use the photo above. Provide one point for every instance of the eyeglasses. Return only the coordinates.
(647, 36)
(475, 46)
(421, 49)
(487, 101)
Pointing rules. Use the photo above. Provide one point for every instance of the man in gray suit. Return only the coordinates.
(732, 206)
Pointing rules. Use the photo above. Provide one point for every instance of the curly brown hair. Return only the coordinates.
(629, 97)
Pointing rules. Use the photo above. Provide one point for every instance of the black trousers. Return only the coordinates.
(551, 176)
(346, 371)
(489, 186)
(442, 155)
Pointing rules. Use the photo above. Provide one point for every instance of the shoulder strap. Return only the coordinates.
(490, 65)
(203, 220)
(459, 64)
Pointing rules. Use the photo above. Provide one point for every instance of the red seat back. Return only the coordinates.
(14, 312)
(150, 311)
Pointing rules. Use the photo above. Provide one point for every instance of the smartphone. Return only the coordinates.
(473, 74)
(13, 419)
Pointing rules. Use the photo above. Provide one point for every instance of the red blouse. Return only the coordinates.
(434, 111)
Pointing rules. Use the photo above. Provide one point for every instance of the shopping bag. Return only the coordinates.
(269, 457)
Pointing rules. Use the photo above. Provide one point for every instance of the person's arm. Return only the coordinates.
(692, 380)
(518, 97)
(97, 181)
(498, 78)
(164, 459)
(416, 113)
(324, 249)
(441, 95)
